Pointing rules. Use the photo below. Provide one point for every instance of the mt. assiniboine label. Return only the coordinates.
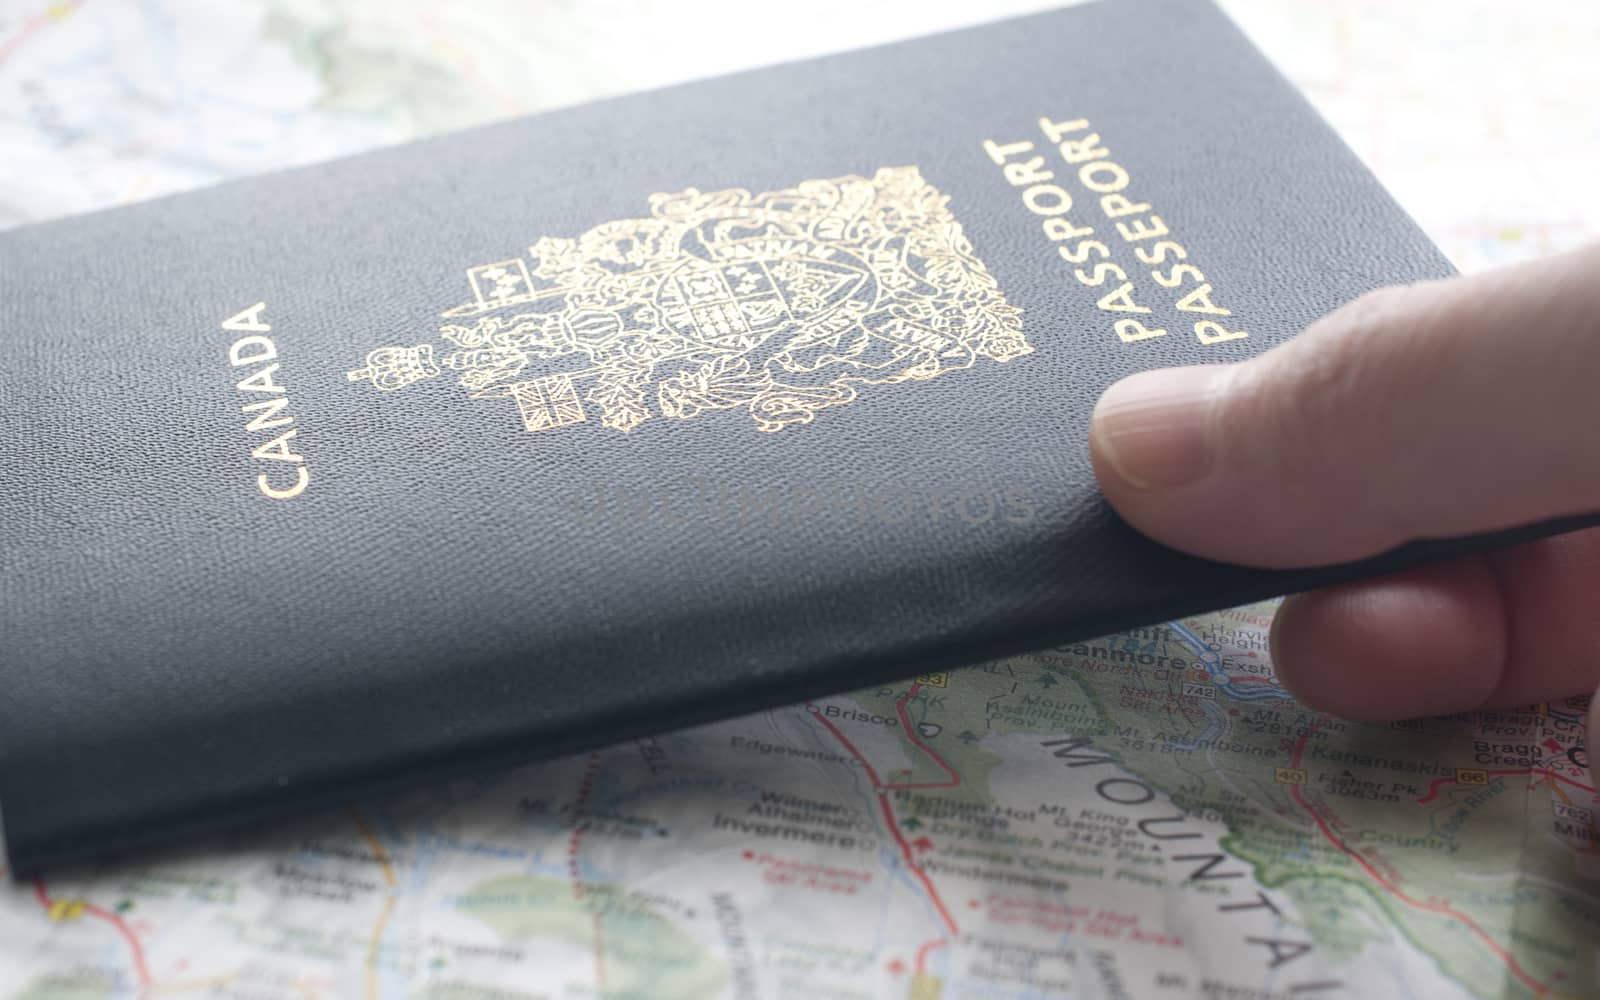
(782, 304)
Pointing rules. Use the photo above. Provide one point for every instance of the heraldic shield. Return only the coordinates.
(780, 304)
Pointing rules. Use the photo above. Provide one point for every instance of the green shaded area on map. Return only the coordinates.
(644, 954)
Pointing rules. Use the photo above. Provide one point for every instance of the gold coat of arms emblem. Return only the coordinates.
(780, 304)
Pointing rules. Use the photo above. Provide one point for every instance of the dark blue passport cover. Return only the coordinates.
(622, 418)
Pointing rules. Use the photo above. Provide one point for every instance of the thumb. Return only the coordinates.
(1430, 410)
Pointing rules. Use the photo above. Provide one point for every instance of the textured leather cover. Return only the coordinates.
(666, 456)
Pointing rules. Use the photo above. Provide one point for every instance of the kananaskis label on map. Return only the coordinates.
(582, 427)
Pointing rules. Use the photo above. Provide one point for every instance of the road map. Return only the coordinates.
(1147, 814)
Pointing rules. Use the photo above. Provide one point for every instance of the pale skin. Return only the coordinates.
(1431, 410)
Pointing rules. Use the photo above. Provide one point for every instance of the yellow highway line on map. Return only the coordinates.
(388, 903)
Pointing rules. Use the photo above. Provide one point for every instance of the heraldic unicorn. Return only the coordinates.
(781, 304)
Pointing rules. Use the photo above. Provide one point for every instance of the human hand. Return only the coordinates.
(1439, 409)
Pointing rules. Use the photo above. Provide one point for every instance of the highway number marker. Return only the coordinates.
(926, 987)
(64, 910)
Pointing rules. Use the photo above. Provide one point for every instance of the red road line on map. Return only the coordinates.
(141, 971)
(842, 738)
(911, 862)
(1505, 956)
(922, 953)
(1433, 789)
(33, 24)
(888, 815)
(580, 824)
(599, 955)
(916, 738)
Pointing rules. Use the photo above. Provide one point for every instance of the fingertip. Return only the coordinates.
(1150, 444)
(1199, 458)
(1426, 642)
(1150, 431)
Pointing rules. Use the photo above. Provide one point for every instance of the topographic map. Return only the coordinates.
(1143, 815)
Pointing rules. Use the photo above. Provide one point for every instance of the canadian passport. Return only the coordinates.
(612, 420)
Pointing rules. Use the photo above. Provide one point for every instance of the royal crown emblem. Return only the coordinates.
(781, 304)
(396, 367)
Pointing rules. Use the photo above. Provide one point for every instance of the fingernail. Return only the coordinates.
(1154, 428)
